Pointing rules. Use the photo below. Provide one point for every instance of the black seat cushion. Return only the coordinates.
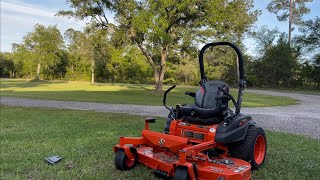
(195, 111)
(207, 109)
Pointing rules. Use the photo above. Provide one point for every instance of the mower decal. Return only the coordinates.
(161, 141)
(201, 89)
(215, 169)
(241, 168)
(243, 122)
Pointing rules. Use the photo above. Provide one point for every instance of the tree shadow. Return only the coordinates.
(138, 96)
(23, 83)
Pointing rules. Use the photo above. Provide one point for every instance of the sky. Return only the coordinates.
(18, 17)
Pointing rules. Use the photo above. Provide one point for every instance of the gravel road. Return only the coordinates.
(303, 118)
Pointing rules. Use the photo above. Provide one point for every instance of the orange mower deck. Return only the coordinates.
(163, 153)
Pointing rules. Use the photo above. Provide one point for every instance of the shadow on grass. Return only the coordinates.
(138, 96)
(23, 83)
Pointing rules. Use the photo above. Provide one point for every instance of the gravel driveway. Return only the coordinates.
(299, 119)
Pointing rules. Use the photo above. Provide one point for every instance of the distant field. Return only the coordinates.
(118, 93)
(85, 140)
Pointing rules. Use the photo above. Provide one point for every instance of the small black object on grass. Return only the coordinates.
(53, 160)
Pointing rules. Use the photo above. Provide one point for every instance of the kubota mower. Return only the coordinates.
(205, 140)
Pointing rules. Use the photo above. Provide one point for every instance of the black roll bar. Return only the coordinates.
(241, 76)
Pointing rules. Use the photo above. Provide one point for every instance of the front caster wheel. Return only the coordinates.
(123, 162)
(181, 173)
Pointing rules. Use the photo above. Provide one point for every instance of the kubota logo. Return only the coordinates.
(161, 141)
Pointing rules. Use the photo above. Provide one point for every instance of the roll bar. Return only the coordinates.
(241, 76)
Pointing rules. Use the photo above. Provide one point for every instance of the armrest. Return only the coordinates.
(150, 120)
(147, 121)
(192, 94)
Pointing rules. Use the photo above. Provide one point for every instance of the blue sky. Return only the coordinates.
(19, 16)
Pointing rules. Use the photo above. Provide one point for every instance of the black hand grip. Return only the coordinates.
(232, 99)
(192, 94)
(165, 96)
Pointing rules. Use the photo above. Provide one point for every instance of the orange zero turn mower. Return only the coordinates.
(204, 140)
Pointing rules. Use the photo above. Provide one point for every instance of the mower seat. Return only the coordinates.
(209, 106)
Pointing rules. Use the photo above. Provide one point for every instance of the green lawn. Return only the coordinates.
(85, 140)
(117, 93)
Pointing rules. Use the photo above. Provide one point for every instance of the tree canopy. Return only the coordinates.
(158, 42)
(158, 28)
(289, 10)
(42, 48)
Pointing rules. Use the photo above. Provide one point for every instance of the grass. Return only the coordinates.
(118, 93)
(85, 140)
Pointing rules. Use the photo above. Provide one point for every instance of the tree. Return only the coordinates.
(265, 38)
(289, 10)
(22, 60)
(40, 48)
(316, 70)
(6, 65)
(158, 27)
(76, 69)
(310, 38)
(87, 50)
(309, 42)
(277, 66)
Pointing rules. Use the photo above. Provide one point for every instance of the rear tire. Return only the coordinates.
(252, 149)
(122, 162)
(181, 173)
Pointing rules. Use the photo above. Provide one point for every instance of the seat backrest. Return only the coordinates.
(206, 95)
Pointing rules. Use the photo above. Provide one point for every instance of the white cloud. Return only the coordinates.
(18, 18)
(22, 8)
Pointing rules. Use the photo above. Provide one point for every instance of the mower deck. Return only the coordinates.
(164, 163)
(164, 153)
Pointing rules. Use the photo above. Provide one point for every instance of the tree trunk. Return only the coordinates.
(92, 71)
(290, 23)
(158, 76)
(158, 86)
(162, 69)
(38, 72)
(12, 73)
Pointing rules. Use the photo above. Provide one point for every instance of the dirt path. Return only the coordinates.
(299, 119)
